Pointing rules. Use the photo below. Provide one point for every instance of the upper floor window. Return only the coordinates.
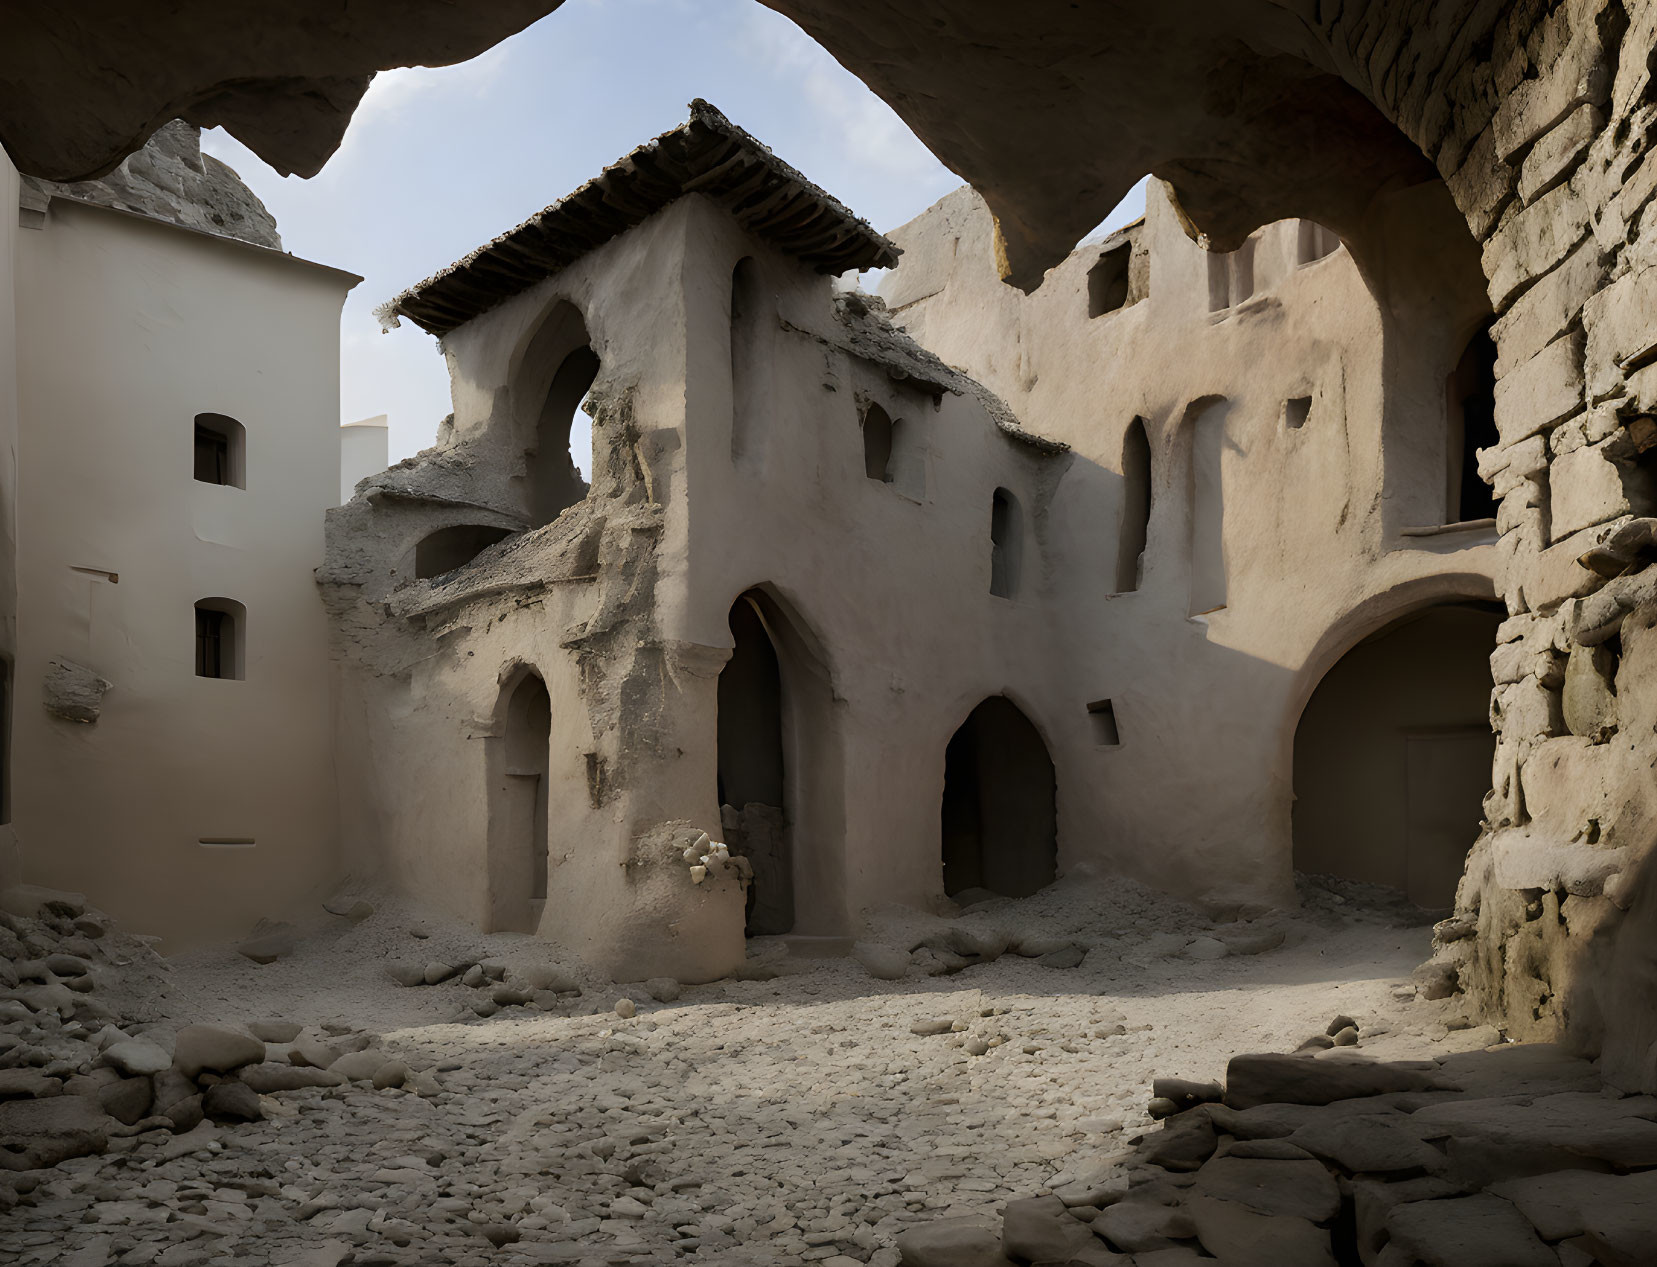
(221, 445)
(1006, 544)
(878, 431)
(220, 630)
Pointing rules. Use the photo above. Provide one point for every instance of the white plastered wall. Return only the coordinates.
(132, 327)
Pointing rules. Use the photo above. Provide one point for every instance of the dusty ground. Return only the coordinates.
(796, 1119)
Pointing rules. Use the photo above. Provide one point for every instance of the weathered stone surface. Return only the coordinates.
(39, 1133)
(1488, 1141)
(273, 1076)
(1042, 1229)
(214, 1048)
(128, 1100)
(1300, 1189)
(275, 1031)
(1240, 1236)
(1590, 693)
(27, 1084)
(1586, 487)
(1371, 1145)
(1620, 331)
(1569, 1202)
(136, 1056)
(884, 963)
(1555, 154)
(73, 692)
(1475, 1231)
(358, 1066)
(1137, 1225)
(1541, 391)
(1270, 1078)
(960, 1242)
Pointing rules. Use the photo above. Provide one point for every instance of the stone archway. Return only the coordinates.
(999, 818)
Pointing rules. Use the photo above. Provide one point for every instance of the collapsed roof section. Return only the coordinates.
(708, 155)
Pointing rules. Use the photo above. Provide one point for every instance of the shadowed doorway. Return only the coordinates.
(1393, 755)
(521, 807)
(751, 777)
(1000, 810)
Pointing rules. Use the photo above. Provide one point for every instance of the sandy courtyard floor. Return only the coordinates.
(796, 1119)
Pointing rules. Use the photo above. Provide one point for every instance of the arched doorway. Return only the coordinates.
(519, 812)
(551, 380)
(752, 797)
(1000, 806)
(1393, 752)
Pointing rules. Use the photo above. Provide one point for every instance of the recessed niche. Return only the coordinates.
(1102, 715)
(1296, 410)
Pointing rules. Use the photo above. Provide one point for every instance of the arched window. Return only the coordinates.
(221, 634)
(551, 381)
(1136, 507)
(1006, 544)
(878, 433)
(221, 451)
(453, 547)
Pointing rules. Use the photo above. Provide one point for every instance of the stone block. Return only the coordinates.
(1549, 308)
(1533, 242)
(35, 1134)
(1586, 488)
(1271, 1078)
(1553, 575)
(1476, 1231)
(1579, 76)
(1527, 709)
(1554, 155)
(1621, 332)
(73, 692)
(1589, 698)
(1541, 391)
(1481, 186)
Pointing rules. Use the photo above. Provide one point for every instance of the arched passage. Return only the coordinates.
(752, 796)
(1393, 752)
(518, 808)
(554, 374)
(1000, 807)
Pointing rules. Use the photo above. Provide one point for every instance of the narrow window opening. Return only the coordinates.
(1472, 426)
(1102, 714)
(1107, 281)
(1296, 411)
(5, 740)
(220, 637)
(220, 451)
(556, 482)
(1136, 508)
(1006, 540)
(1219, 282)
(1242, 273)
(878, 434)
(1314, 242)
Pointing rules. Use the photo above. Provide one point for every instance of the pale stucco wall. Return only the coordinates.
(131, 328)
(1197, 795)
(364, 450)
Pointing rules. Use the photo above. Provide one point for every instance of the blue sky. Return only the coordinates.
(438, 161)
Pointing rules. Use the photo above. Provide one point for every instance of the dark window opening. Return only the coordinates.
(1296, 411)
(1136, 508)
(1000, 807)
(519, 887)
(1006, 541)
(1472, 419)
(1102, 714)
(219, 638)
(878, 432)
(751, 786)
(454, 547)
(219, 456)
(1107, 281)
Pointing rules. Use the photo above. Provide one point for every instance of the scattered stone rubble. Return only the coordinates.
(1505, 1157)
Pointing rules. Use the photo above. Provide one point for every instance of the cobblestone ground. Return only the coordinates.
(797, 1119)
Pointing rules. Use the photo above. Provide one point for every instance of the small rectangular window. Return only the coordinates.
(1102, 713)
(1296, 411)
(209, 643)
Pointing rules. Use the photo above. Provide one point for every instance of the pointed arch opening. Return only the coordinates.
(1000, 805)
(556, 371)
(518, 818)
(1471, 412)
(752, 795)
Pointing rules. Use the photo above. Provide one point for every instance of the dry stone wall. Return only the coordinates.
(1538, 117)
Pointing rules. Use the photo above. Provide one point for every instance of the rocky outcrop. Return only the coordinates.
(171, 179)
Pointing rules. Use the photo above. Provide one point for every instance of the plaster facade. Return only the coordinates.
(191, 805)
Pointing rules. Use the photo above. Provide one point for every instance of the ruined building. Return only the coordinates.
(1486, 166)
